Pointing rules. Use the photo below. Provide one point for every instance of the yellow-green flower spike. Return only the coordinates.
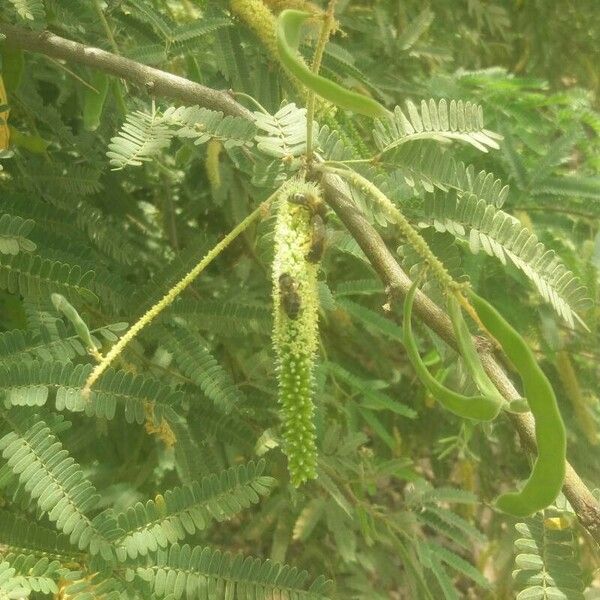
(260, 19)
(295, 306)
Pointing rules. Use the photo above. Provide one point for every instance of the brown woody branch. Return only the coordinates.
(583, 502)
(156, 82)
(163, 84)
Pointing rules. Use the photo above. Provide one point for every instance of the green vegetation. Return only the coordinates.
(298, 300)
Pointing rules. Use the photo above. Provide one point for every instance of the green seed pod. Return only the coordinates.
(289, 25)
(548, 473)
(470, 355)
(477, 408)
(295, 337)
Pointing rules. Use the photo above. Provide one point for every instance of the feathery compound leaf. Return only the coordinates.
(286, 131)
(193, 357)
(202, 124)
(52, 478)
(371, 319)
(207, 573)
(141, 138)
(513, 158)
(21, 536)
(359, 287)
(10, 586)
(459, 564)
(216, 314)
(138, 395)
(579, 187)
(502, 235)
(30, 10)
(442, 520)
(226, 57)
(369, 397)
(145, 13)
(13, 234)
(460, 120)
(556, 154)
(63, 187)
(50, 344)
(36, 574)
(196, 30)
(332, 146)
(33, 276)
(424, 166)
(184, 510)
(30, 384)
(547, 566)
(415, 29)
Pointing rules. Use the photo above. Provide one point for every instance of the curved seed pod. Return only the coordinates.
(295, 305)
(470, 356)
(478, 408)
(289, 23)
(64, 306)
(548, 473)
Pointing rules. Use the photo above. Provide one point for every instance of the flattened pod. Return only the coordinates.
(478, 408)
(470, 356)
(548, 473)
(295, 336)
(288, 37)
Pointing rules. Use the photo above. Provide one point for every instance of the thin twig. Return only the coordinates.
(168, 298)
(157, 82)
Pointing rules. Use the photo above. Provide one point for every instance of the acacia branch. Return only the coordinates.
(156, 82)
(163, 84)
(397, 281)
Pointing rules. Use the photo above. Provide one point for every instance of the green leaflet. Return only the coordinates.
(478, 408)
(548, 472)
(288, 39)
